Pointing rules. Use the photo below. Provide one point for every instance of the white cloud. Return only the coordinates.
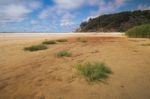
(50, 11)
(13, 12)
(34, 22)
(105, 7)
(6, 2)
(34, 4)
(44, 14)
(69, 4)
(143, 7)
(67, 20)
(16, 10)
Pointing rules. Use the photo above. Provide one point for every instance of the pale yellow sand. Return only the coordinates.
(41, 75)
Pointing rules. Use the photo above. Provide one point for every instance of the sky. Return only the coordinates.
(58, 15)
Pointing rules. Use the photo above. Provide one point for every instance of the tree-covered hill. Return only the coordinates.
(116, 22)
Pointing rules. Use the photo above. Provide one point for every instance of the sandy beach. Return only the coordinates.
(42, 75)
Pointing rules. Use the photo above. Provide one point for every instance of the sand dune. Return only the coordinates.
(42, 75)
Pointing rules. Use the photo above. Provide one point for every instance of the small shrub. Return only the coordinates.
(82, 40)
(93, 71)
(49, 42)
(35, 48)
(142, 31)
(145, 44)
(62, 40)
(64, 54)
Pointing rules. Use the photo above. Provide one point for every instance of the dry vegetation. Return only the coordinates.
(64, 53)
(50, 42)
(35, 48)
(62, 40)
(142, 31)
(93, 71)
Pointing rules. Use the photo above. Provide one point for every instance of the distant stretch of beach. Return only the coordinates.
(13, 37)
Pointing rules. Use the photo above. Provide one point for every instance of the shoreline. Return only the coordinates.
(43, 34)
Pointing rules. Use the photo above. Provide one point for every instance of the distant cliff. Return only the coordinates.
(115, 22)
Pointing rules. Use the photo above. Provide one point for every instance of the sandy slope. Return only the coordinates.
(41, 75)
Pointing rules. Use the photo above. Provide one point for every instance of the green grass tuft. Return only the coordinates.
(93, 71)
(64, 54)
(62, 40)
(146, 44)
(35, 48)
(49, 42)
(81, 40)
(142, 31)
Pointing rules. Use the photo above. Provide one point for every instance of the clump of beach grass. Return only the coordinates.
(148, 44)
(79, 39)
(93, 71)
(49, 42)
(62, 40)
(64, 53)
(142, 31)
(36, 48)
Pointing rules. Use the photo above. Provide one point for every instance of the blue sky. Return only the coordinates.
(58, 15)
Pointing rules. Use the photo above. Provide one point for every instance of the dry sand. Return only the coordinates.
(41, 75)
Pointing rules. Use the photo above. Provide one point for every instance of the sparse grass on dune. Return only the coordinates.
(93, 71)
(35, 48)
(62, 40)
(148, 44)
(84, 40)
(64, 53)
(49, 42)
(43, 46)
(142, 31)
